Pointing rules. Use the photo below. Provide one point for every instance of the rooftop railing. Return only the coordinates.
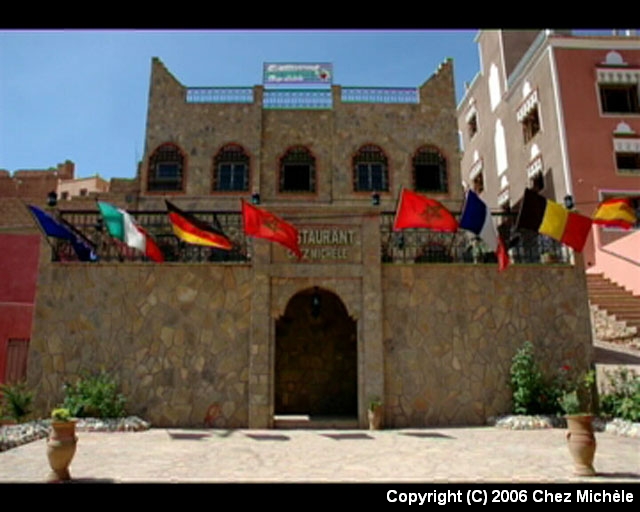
(219, 95)
(380, 95)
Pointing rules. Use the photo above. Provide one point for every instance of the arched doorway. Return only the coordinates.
(316, 371)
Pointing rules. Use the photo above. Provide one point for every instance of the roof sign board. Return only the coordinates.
(280, 73)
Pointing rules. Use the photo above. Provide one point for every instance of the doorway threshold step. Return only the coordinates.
(304, 421)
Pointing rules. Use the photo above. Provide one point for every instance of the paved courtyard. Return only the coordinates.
(481, 454)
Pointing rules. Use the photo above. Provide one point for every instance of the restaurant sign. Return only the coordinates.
(279, 73)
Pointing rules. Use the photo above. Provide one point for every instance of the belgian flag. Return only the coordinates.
(192, 230)
(553, 220)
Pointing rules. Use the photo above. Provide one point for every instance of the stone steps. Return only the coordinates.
(303, 421)
(614, 299)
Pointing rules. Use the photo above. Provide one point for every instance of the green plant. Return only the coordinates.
(374, 403)
(622, 400)
(17, 400)
(532, 394)
(94, 395)
(60, 414)
(578, 392)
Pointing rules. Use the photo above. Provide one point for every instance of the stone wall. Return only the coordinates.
(194, 345)
(174, 336)
(450, 332)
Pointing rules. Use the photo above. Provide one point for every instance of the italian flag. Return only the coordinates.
(122, 227)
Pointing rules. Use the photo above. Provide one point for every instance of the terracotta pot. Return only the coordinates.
(375, 418)
(61, 447)
(582, 443)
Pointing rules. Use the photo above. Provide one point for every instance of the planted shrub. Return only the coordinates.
(94, 396)
(622, 400)
(16, 400)
(532, 394)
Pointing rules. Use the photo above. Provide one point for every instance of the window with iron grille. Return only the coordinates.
(530, 124)
(166, 166)
(370, 170)
(16, 365)
(429, 171)
(231, 169)
(297, 171)
(619, 98)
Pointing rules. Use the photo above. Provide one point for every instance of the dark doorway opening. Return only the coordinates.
(316, 371)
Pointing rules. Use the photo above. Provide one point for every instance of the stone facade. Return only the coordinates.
(233, 344)
(174, 336)
(195, 345)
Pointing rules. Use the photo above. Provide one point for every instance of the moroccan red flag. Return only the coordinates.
(263, 224)
(417, 211)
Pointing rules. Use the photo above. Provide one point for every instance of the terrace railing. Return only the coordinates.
(219, 95)
(89, 223)
(380, 95)
(426, 246)
(406, 246)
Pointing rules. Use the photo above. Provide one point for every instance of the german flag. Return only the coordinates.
(553, 220)
(194, 231)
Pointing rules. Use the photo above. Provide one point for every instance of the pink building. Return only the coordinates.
(559, 113)
(81, 187)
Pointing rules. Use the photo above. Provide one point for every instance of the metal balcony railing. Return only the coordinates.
(426, 246)
(89, 224)
(406, 246)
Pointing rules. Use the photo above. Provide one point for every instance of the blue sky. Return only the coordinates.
(81, 95)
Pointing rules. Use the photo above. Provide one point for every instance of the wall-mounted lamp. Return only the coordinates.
(255, 198)
(99, 224)
(52, 199)
(399, 240)
(568, 202)
(375, 199)
(316, 303)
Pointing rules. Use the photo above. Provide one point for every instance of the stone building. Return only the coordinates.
(252, 338)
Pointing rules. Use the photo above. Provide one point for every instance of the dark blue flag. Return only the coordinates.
(60, 229)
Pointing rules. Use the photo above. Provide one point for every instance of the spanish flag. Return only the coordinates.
(618, 211)
(553, 220)
(192, 230)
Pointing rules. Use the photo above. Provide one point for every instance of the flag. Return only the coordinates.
(552, 219)
(121, 226)
(192, 230)
(263, 224)
(58, 228)
(417, 211)
(618, 212)
(476, 218)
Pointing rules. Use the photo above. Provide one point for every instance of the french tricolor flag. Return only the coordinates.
(476, 218)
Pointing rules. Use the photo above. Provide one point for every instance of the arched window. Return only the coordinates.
(370, 171)
(166, 169)
(231, 169)
(429, 171)
(298, 171)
